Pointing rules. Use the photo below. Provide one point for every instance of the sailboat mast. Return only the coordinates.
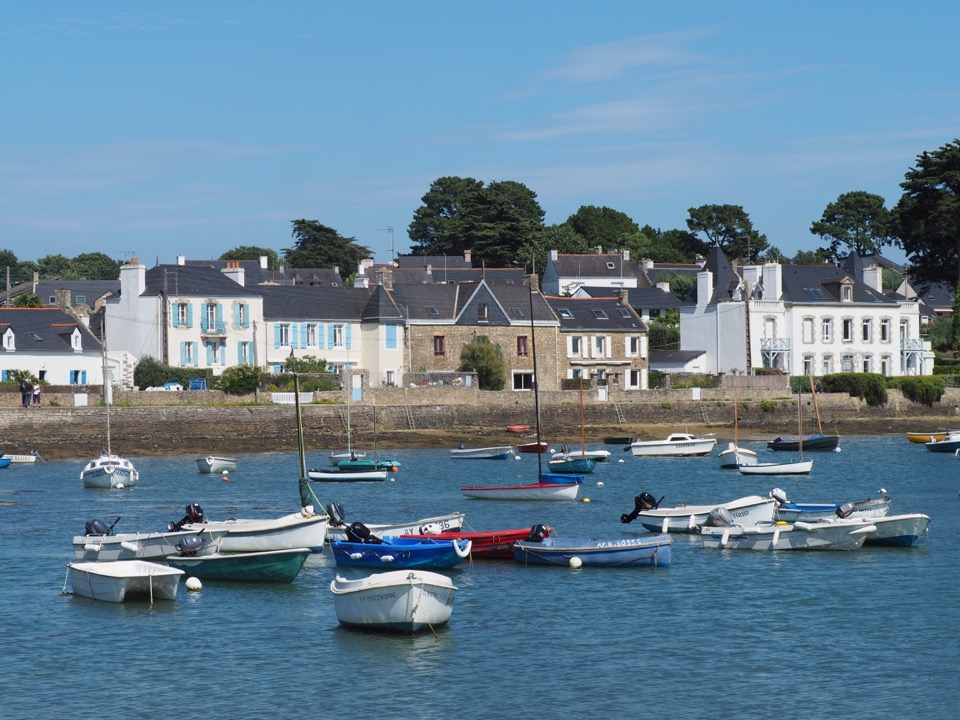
(800, 423)
(106, 381)
(296, 403)
(583, 432)
(816, 407)
(536, 377)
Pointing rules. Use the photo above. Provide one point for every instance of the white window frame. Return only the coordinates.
(846, 330)
(866, 330)
(826, 330)
(285, 334)
(339, 336)
(183, 315)
(312, 335)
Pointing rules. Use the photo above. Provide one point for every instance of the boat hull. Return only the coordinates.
(811, 512)
(400, 553)
(123, 580)
(489, 544)
(784, 536)
(814, 442)
(750, 510)
(280, 566)
(363, 465)
(215, 465)
(802, 467)
(628, 552)
(574, 465)
(535, 491)
(347, 476)
(28, 459)
(395, 601)
(673, 446)
(424, 526)
(733, 456)
(487, 453)
(138, 546)
(109, 471)
(533, 447)
(925, 437)
(284, 533)
(950, 444)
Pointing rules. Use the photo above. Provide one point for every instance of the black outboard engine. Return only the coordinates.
(720, 517)
(641, 503)
(845, 510)
(96, 528)
(194, 515)
(360, 533)
(190, 545)
(537, 534)
(335, 511)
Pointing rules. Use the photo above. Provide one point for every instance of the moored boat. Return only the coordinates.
(214, 464)
(533, 447)
(750, 509)
(99, 544)
(726, 533)
(891, 530)
(949, 444)
(674, 445)
(493, 544)
(318, 475)
(123, 579)
(571, 464)
(280, 566)
(925, 437)
(798, 467)
(533, 491)
(296, 530)
(424, 526)
(567, 454)
(813, 442)
(733, 456)
(793, 511)
(398, 600)
(518, 429)
(22, 459)
(363, 549)
(653, 551)
(109, 471)
(497, 452)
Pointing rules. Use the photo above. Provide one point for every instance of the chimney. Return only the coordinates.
(468, 256)
(235, 272)
(264, 265)
(873, 277)
(622, 294)
(181, 259)
(751, 278)
(133, 279)
(553, 255)
(646, 264)
(704, 288)
(626, 255)
(772, 281)
(665, 286)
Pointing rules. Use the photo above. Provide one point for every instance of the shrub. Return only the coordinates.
(867, 386)
(922, 389)
(486, 360)
(768, 405)
(239, 379)
(666, 405)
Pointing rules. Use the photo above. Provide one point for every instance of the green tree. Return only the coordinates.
(891, 279)
(728, 226)
(857, 220)
(602, 226)
(149, 372)
(662, 334)
(306, 364)
(19, 272)
(251, 252)
(533, 254)
(809, 257)
(27, 300)
(928, 220)
(93, 266)
(680, 285)
(55, 266)
(319, 246)
(492, 221)
(486, 360)
(664, 246)
(239, 379)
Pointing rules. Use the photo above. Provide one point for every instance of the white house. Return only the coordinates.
(802, 320)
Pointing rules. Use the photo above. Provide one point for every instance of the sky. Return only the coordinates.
(153, 129)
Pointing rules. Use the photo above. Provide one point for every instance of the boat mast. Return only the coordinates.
(800, 424)
(296, 403)
(536, 378)
(106, 380)
(816, 407)
(583, 436)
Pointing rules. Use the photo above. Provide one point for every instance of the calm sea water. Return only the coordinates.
(871, 634)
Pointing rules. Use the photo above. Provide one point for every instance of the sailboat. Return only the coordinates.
(814, 442)
(549, 486)
(568, 462)
(337, 456)
(734, 456)
(108, 470)
(356, 468)
(800, 467)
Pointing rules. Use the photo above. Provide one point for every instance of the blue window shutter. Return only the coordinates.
(236, 315)
(276, 336)
(330, 336)
(246, 315)
(304, 337)
(321, 337)
(240, 356)
(203, 317)
(347, 335)
(294, 335)
(209, 353)
(83, 377)
(189, 315)
(391, 336)
(219, 318)
(183, 354)
(174, 311)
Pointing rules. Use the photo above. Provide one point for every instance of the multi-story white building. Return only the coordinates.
(803, 320)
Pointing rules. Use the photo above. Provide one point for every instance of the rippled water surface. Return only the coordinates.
(720, 634)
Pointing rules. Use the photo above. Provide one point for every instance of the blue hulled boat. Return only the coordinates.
(651, 551)
(363, 549)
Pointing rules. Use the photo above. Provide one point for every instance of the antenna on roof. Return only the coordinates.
(127, 254)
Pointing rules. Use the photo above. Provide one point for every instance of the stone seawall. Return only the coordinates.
(200, 429)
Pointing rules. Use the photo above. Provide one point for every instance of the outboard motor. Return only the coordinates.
(194, 515)
(720, 517)
(335, 511)
(96, 528)
(537, 534)
(641, 503)
(190, 545)
(360, 533)
(845, 510)
(780, 496)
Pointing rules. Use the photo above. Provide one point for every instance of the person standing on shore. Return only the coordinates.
(26, 392)
(36, 394)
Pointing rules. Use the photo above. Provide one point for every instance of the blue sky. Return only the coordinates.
(152, 129)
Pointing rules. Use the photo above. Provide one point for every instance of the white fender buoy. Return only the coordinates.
(864, 530)
(575, 562)
(621, 460)
(119, 486)
(600, 483)
(194, 584)
(725, 537)
(665, 525)
(836, 449)
(692, 522)
(90, 547)
(516, 457)
(387, 558)
(356, 556)
(466, 548)
(776, 537)
(131, 546)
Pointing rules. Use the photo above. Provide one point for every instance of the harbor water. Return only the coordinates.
(720, 634)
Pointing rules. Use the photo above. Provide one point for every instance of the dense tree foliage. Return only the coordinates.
(27, 300)
(665, 246)
(486, 360)
(728, 226)
(93, 266)
(928, 216)
(239, 379)
(319, 246)
(810, 257)
(252, 252)
(602, 226)
(858, 221)
(533, 255)
(493, 221)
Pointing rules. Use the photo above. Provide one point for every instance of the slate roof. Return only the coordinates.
(594, 265)
(287, 302)
(647, 297)
(815, 284)
(427, 302)
(595, 314)
(673, 357)
(381, 307)
(92, 290)
(305, 277)
(193, 280)
(436, 261)
(937, 295)
(253, 274)
(45, 330)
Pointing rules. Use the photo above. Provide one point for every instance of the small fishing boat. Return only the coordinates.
(493, 544)
(399, 600)
(566, 454)
(99, 544)
(725, 533)
(813, 442)
(355, 464)
(281, 566)
(109, 471)
(124, 579)
(22, 459)
(338, 456)
(533, 491)
(213, 464)
(950, 443)
(318, 475)
(296, 530)
(750, 509)
(5, 462)
(675, 445)
(798, 467)
(733, 456)
(364, 549)
(890, 530)
(808, 512)
(498, 452)
(925, 437)
(653, 551)
(533, 447)
(518, 429)
(571, 464)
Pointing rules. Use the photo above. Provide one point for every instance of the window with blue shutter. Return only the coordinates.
(348, 336)
(276, 335)
(204, 313)
(209, 353)
(189, 315)
(83, 377)
(175, 313)
(391, 336)
(321, 335)
(183, 354)
(331, 338)
(294, 335)
(220, 326)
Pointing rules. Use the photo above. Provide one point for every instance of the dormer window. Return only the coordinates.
(75, 341)
(846, 293)
(9, 343)
(564, 313)
(482, 312)
(599, 314)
